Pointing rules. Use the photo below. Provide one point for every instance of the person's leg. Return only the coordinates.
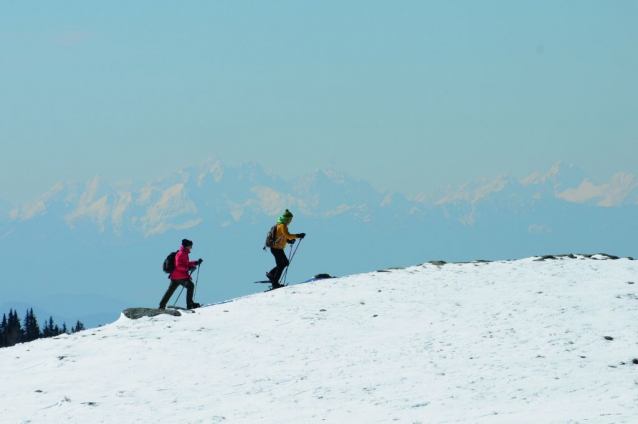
(190, 288)
(271, 274)
(282, 263)
(171, 289)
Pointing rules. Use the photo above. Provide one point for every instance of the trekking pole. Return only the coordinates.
(196, 280)
(180, 292)
(285, 274)
(292, 255)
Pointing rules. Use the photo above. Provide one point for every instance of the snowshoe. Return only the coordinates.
(274, 286)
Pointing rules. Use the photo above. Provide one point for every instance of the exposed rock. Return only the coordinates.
(609, 256)
(568, 255)
(439, 263)
(546, 257)
(136, 313)
(584, 255)
(323, 276)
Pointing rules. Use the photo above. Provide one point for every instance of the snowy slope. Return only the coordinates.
(502, 342)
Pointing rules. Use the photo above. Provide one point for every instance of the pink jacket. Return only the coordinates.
(182, 264)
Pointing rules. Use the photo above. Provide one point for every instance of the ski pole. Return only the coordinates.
(180, 292)
(196, 280)
(292, 255)
(285, 274)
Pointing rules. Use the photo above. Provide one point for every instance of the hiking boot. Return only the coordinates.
(193, 305)
(276, 285)
(161, 308)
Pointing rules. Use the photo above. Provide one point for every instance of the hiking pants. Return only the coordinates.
(282, 263)
(190, 288)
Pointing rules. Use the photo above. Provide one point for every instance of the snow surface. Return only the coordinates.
(501, 342)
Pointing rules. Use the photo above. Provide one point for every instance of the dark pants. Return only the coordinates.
(190, 287)
(282, 263)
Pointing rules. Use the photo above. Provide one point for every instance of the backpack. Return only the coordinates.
(271, 237)
(169, 263)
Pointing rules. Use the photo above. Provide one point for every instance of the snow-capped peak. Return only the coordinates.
(562, 176)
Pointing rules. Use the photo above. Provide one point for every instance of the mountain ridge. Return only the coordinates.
(182, 199)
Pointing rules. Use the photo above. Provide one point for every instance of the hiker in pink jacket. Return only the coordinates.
(181, 276)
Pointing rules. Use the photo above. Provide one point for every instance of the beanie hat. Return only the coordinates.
(286, 217)
(187, 243)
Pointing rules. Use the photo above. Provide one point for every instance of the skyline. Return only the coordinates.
(407, 96)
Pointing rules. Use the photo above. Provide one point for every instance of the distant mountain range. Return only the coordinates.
(226, 196)
(108, 239)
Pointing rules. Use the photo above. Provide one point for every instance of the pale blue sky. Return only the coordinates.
(409, 95)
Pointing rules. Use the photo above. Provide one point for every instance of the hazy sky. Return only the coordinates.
(409, 95)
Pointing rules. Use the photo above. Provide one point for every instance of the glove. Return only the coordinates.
(291, 241)
(301, 235)
(199, 261)
(192, 268)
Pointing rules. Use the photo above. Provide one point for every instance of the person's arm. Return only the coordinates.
(286, 234)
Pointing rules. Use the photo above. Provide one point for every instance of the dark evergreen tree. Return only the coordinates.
(23, 334)
(31, 328)
(14, 332)
(48, 330)
(3, 331)
(78, 327)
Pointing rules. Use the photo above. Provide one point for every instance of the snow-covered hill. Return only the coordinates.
(527, 341)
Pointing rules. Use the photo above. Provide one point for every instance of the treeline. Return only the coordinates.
(13, 331)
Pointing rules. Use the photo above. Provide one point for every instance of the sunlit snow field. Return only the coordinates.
(502, 342)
